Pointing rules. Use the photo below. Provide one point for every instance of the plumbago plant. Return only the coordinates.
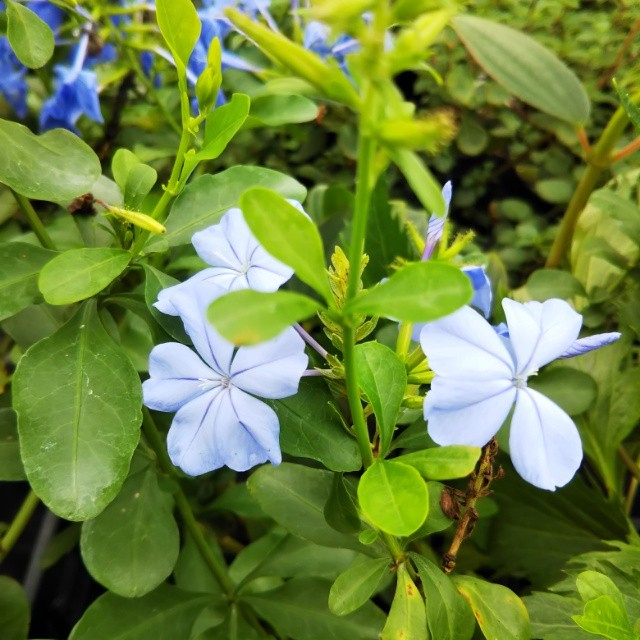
(297, 439)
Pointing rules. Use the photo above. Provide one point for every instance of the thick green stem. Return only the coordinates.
(404, 339)
(599, 160)
(416, 358)
(18, 524)
(34, 221)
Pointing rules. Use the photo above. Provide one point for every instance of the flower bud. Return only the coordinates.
(207, 87)
(427, 134)
(138, 219)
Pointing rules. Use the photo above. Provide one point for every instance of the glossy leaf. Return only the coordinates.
(499, 611)
(249, 317)
(30, 37)
(419, 292)
(78, 402)
(155, 281)
(604, 617)
(55, 166)
(299, 610)
(132, 546)
(134, 178)
(180, 26)
(294, 496)
(310, 427)
(288, 235)
(407, 617)
(592, 584)
(436, 520)
(81, 273)
(356, 585)
(206, 199)
(222, 125)
(277, 110)
(340, 511)
(575, 391)
(11, 468)
(524, 67)
(167, 613)
(443, 463)
(20, 264)
(449, 617)
(394, 497)
(383, 378)
(553, 283)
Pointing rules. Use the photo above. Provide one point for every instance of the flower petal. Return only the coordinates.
(191, 303)
(223, 427)
(540, 331)
(210, 280)
(177, 376)
(544, 443)
(464, 345)
(482, 294)
(467, 412)
(227, 243)
(272, 369)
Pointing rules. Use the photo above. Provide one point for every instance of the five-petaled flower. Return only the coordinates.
(219, 419)
(481, 374)
(237, 259)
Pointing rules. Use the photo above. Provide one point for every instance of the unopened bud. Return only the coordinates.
(427, 134)
(207, 87)
(138, 219)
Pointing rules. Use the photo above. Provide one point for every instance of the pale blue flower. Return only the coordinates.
(76, 94)
(481, 375)
(13, 83)
(237, 259)
(219, 419)
(318, 38)
(436, 223)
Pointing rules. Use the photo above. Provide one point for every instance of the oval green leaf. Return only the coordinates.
(443, 463)
(394, 497)
(78, 400)
(277, 110)
(133, 545)
(524, 67)
(407, 617)
(55, 166)
(81, 273)
(288, 235)
(30, 37)
(180, 26)
(14, 610)
(356, 585)
(249, 317)
(420, 292)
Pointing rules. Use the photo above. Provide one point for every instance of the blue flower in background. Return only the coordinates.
(435, 228)
(317, 38)
(13, 83)
(480, 375)
(52, 15)
(220, 421)
(237, 259)
(76, 93)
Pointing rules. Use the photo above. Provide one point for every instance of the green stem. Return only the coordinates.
(416, 358)
(18, 524)
(34, 221)
(404, 339)
(599, 160)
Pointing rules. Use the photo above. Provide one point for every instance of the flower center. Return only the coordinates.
(225, 383)
(520, 382)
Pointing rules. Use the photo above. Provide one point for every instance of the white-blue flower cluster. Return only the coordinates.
(220, 420)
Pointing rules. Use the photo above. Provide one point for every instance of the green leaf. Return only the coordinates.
(168, 613)
(81, 273)
(310, 427)
(407, 617)
(449, 617)
(180, 26)
(11, 468)
(14, 610)
(20, 264)
(629, 105)
(575, 391)
(249, 317)
(277, 110)
(385, 239)
(592, 584)
(191, 573)
(443, 463)
(288, 235)
(154, 283)
(554, 283)
(134, 178)
(499, 611)
(205, 199)
(222, 125)
(551, 616)
(394, 497)
(132, 546)
(299, 610)
(340, 511)
(383, 378)
(294, 496)
(55, 166)
(423, 184)
(419, 292)
(436, 520)
(78, 402)
(30, 37)
(524, 67)
(604, 617)
(356, 585)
